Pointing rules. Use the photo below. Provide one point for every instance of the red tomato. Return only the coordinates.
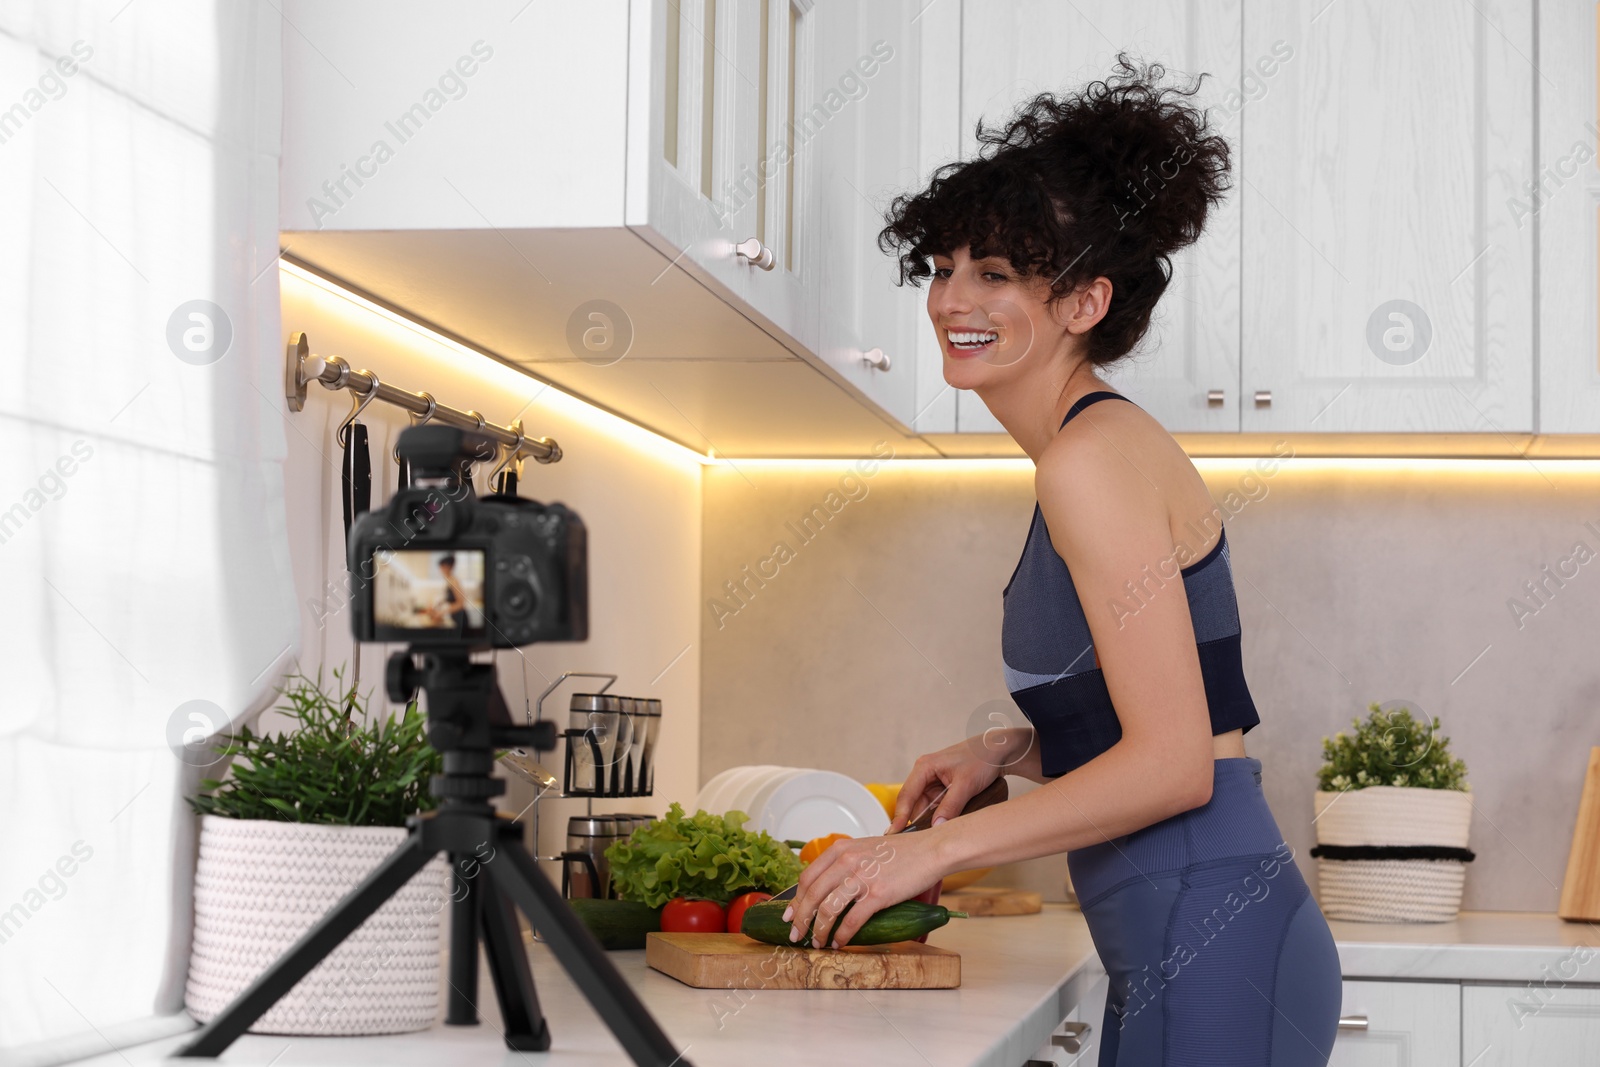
(683, 915)
(740, 903)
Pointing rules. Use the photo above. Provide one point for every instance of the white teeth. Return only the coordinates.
(971, 339)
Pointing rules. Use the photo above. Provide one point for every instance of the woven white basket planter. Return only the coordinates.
(261, 884)
(1392, 890)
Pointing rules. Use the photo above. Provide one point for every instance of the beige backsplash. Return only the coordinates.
(875, 635)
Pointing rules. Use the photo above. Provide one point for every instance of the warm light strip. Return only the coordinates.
(573, 407)
(1220, 464)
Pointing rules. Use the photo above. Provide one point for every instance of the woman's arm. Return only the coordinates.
(1108, 521)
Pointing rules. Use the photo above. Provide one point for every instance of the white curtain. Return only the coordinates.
(143, 555)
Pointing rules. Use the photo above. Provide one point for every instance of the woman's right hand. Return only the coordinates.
(962, 771)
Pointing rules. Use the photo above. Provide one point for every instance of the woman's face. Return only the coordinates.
(993, 323)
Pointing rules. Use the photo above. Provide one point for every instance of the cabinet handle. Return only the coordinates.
(876, 358)
(1263, 397)
(1214, 397)
(1352, 1022)
(1072, 1040)
(756, 253)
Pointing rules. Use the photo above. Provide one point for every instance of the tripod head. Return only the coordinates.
(466, 711)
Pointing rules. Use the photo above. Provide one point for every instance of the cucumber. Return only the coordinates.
(899, 922)
(617, 923)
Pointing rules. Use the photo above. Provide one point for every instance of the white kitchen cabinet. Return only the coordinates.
(769, 201)
(1536, 1024)
(866, 153)
(1015, 49)
(1399, 1024)
(1387, 287)
(1566, 214)
(566, 187)
(1076, 1039)
(702, 72)
(938, 142)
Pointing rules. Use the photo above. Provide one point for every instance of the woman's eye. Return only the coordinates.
(996, 275)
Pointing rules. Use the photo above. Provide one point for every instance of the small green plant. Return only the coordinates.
(1390, 748)
(332, 770)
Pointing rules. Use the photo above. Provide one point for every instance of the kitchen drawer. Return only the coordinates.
(1083, 1003)
(1406, 1024)
(1530, 1025)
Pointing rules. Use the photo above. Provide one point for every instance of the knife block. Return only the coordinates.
(1580, 890)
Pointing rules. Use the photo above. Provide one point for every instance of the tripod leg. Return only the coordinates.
(526, 1030)
(323, 937)
(465, 897)
(581, 956)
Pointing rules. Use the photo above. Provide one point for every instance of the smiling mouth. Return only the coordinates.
(971, 342)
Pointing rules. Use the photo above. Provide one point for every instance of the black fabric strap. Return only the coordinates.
(1393, 852)
(357, 476)
(1089, 398)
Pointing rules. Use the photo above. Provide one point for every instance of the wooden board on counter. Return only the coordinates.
(1580, 890)
(985, 900)
(729, 961)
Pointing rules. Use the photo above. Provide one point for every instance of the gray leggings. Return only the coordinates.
(1215, 948)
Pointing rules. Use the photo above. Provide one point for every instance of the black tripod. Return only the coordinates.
(463, 699)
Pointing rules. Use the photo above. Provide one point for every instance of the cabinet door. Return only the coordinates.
(865, 122)
(938, 142)
(1014, 49)
(771, 184)
(694, 210)
(1532, 1025)
(1566, 213)
(1399, 1024)
(1387, 285)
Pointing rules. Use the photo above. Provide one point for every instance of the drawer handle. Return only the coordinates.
(1352, 1022)
(1214, 397)
(756, 253)
(1263, 398)
(876, 358)
(1072, 1040)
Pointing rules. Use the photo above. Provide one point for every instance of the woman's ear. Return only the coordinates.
(1081, 309)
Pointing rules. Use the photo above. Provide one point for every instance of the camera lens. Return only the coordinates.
(517, 598)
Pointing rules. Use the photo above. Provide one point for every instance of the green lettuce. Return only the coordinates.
(701, 855)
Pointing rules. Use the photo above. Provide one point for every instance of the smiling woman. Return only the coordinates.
(1047, 255)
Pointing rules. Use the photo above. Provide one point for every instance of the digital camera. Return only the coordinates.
(441, 568)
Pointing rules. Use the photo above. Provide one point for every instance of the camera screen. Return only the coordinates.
(427, 590)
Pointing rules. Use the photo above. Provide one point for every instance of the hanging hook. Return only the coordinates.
(342, 434)
(416, 420)
(513, 453)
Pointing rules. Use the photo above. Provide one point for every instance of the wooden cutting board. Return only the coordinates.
(734, 961)
(1580, 890)
(992, 900)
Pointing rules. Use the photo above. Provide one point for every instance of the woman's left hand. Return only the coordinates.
(875, 872)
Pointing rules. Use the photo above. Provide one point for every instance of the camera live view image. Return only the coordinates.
(423, 590)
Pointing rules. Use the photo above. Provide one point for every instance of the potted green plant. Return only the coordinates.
(1392, 814)
(302, 817)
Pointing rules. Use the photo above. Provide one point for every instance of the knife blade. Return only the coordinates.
(995, 793)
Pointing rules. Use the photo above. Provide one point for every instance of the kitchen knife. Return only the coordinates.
(997, 792)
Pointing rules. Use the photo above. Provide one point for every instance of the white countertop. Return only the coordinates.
(1503, 946)
(1018, 975)
(1013, 973)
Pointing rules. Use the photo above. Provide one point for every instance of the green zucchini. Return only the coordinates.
(617, 923)
(899, 922)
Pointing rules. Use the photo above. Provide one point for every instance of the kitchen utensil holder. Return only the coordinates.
(627, 787)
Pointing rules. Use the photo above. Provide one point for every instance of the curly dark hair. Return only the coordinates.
(1109, 181)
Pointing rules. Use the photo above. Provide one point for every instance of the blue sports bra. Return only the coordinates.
(1051, 667)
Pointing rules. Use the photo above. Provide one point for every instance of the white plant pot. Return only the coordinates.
(1392, 890)
(261, 884)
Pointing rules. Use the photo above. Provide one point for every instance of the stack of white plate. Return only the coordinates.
(795, 803)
